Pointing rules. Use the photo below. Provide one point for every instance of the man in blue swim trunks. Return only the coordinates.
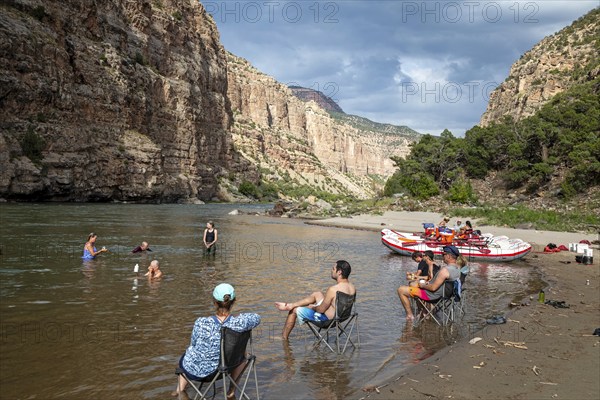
(318, 307)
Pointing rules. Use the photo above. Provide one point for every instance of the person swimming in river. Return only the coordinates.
(142, 247)
(89, 250)
(210, 237)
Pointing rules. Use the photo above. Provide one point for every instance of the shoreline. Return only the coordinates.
(557, 356)
(409, 221)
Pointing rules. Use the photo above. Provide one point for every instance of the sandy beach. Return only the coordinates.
(542, 352)
(411, 222)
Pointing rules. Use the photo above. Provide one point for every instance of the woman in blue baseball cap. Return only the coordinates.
(201, 358)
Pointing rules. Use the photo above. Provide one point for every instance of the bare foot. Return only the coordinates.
(183, 395)
(283, 306)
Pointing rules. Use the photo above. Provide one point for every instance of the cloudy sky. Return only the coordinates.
(429, 65)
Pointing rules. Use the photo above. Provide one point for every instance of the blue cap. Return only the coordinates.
(452, 250)
(221, 290)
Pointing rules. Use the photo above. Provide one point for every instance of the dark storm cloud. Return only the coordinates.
(429, 65)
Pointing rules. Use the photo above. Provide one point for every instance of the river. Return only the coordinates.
(73, 329)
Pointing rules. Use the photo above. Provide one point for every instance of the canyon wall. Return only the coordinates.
(128, 97)
(277, 130)
(138, 101)
(556, 63)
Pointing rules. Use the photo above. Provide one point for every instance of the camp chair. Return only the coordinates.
(458, 298)
(441, 310)
(343, 323)
(233, 353)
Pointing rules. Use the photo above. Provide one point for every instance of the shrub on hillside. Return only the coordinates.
(248, 189)
(462, 192)
(32, 145)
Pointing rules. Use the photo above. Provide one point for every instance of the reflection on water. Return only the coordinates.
(98, 328)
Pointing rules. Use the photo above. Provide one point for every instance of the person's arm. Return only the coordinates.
(243, 322)
(429, 268)
(437, 282)
(158, 274)
(216, 237)
(204, 238)
(327, 301)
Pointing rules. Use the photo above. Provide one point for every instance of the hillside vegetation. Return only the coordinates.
(561, 141)
(555, 153)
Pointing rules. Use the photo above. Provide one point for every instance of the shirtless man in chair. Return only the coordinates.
(318, 307)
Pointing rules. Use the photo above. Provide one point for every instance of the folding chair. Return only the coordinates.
(458, 299)
(343, 323)
(441, 310)
(233, 353)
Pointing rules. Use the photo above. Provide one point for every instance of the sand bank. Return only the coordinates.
(411, 222)
(556, 356)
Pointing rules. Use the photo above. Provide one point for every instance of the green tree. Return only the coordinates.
(411, 179)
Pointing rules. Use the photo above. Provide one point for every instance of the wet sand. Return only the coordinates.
(542, 352)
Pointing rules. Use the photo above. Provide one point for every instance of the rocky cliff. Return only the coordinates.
(553, 65)
(137, 100)
(129, 99)
(298, 141)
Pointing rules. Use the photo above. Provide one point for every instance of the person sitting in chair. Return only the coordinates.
(201, 359)
(318, 307)
(432, 289)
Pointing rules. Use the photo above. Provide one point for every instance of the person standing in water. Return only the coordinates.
(154, 271)
(89, 250)
(210, 237)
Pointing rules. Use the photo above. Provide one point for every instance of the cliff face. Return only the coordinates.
(129, 98)
(138, 101)
(550, 67)
(288, 136)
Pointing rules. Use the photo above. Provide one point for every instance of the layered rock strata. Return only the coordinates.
(129, 98)
(138, 101)
(285, 135)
